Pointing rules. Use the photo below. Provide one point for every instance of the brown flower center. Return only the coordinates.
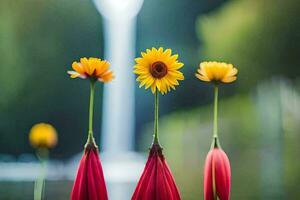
(158, 69)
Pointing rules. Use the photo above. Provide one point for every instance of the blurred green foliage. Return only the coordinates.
(260, 37)
(39, 41)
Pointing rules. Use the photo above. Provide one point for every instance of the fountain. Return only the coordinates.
(122, 166)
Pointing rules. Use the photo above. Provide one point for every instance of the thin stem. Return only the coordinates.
(156, 103)
(91, 109)
(40, 182)
(215, 112)
(215, 142)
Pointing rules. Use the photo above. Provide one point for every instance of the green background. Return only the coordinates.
(259, 113)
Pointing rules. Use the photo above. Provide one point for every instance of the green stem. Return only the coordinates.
(91, 112)
(40, 182)
(156, 103)
(216, 112)
(215, 142)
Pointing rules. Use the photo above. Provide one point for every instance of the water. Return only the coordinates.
(119, 20)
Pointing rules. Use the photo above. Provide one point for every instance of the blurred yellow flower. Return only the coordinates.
(216, 72)
(43, 135)
(158, 69)
(93, 68)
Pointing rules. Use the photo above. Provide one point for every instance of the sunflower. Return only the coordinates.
(43, 135)
(158, 69)
(92, 68)
(216, 72)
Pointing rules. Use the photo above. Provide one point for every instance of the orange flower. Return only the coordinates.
(92, 68)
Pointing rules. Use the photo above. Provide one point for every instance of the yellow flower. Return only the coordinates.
(43, 135)
(216, 72)
(158, 69)
(93, 68)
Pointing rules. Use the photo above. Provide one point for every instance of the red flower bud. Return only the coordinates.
(89, 182)
(217, 175)
(156, 182)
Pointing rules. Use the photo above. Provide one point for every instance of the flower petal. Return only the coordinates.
(145, 69)
(156, 181)
(89, 182)
(222, 174)
(217, 72)
(208, 178)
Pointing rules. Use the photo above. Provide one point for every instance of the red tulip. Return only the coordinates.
(217, 175)
(157, 182)
(89, 183)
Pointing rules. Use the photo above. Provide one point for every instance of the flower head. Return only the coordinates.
(43, 135)
(158, 69)
(217, 175)
(156, 181)
(216, 72)
(89, 182)
(92, 68)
